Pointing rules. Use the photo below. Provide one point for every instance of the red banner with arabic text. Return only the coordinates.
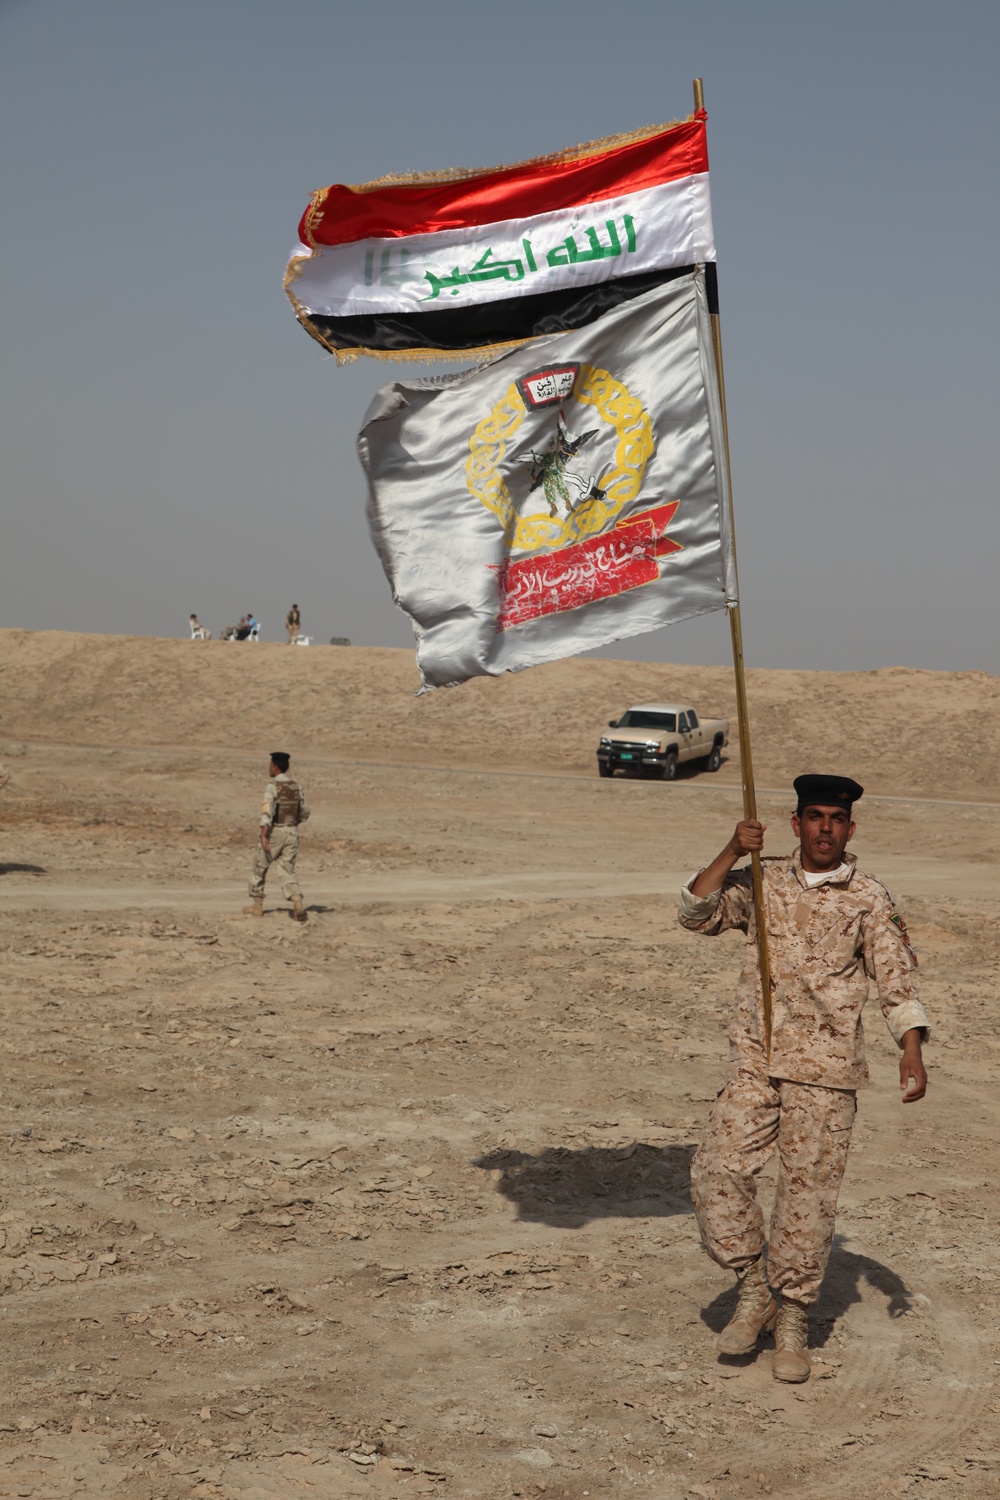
(598, 568)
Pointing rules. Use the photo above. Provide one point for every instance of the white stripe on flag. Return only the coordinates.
(655, 229)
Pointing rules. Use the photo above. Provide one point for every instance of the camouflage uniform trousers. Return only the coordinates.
(284, 848)
(811, 1127)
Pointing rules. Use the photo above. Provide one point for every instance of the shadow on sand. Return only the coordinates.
(14, 869)
(567, 1188)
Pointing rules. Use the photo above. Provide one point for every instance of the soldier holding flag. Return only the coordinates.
(574, 491)
(831, 929)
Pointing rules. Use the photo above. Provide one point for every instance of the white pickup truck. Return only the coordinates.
(652, 739)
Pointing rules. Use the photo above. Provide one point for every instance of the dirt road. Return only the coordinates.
(397, 1203)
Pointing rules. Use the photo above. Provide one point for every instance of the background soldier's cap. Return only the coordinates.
(281, 759)
(826, 791)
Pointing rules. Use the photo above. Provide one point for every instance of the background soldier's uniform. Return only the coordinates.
(284, 807)
(825, 943)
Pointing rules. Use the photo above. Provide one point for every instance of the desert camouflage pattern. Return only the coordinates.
(811, 1128)
(284, 844)
(287, 804)
(279, 793)
(825, 944)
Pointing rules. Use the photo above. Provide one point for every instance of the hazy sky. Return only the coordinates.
(172, 440)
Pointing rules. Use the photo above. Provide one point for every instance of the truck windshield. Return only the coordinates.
(643, 718)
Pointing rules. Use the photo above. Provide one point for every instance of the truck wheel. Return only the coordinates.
(602, 769)
(670, 767)
(714, 761)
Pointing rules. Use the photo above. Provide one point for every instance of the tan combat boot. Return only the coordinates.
(256, 907)
(791, 1339)
(298, 911)
(755, 1312)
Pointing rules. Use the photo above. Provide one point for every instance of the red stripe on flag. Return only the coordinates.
(598, 568)
(343, 214)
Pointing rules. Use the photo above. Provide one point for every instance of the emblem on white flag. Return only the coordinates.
(564, 496)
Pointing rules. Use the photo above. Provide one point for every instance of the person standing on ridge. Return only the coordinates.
(293, 623)
(831, 929)
(284, 807)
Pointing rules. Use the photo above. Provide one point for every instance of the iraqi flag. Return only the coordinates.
(569, 493)
(460, 262)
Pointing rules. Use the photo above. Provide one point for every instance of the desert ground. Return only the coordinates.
(396, 1202)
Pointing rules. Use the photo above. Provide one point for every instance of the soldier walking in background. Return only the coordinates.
(284, 807)
(831, 929)
(293, 623)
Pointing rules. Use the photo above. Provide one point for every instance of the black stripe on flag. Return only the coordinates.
(484, 323)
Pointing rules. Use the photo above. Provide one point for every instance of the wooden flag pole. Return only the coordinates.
(742, 709)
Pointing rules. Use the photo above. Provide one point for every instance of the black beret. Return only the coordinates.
(826, 791)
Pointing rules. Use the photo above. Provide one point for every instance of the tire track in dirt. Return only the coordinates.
(884, 1439)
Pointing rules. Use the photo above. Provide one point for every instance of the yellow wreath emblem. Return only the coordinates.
(617, 406)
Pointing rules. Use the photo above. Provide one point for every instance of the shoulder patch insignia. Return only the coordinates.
(900, 925)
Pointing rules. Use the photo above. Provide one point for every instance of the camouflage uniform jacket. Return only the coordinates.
(271, 797)
(825, 943)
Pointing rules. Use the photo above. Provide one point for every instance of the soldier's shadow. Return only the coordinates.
(566, 1188)
(846, 1274)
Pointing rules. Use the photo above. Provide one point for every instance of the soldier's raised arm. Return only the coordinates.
(748, 838)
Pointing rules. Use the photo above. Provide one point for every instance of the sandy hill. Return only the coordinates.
(898, 730)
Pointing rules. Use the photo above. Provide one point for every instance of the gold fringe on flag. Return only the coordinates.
(481, 355)
(459, 174)
(483, 352)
